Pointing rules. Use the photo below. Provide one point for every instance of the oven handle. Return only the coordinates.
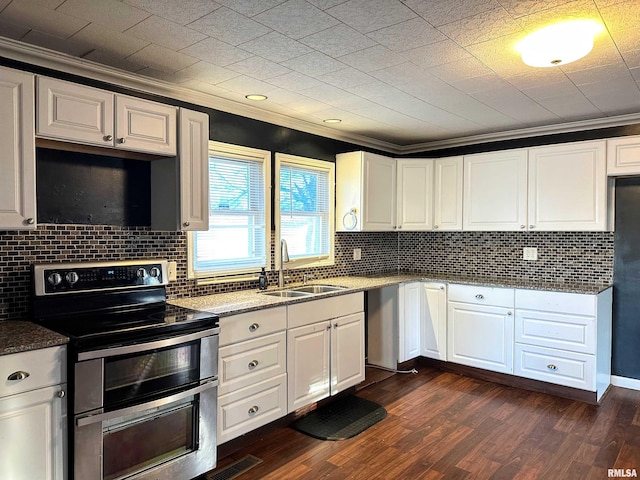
(140, 347)
(101, 417)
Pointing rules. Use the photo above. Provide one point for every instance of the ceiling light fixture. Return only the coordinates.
(559, 44)
(332, 120)
(256, 97)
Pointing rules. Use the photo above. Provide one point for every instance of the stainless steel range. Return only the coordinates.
(143, 373)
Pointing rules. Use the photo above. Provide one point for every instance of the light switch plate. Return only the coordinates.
(530, 253)
(357, 253)
(172, 270)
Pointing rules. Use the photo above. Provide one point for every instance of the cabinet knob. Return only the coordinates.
(522, 227)
(442, 287)
(509, 313)
(551, 366)
(61, 393)
(121, 140)
(435, 227)
(328, 327)
(108, 138)
(19, 375)
(253, 410)
(480, 296)
(531, 226)
(335, 325)
(186, 224)
(253, 327)
(253, 364)
(30, 221)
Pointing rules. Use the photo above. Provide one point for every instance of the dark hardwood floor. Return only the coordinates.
(446, 426)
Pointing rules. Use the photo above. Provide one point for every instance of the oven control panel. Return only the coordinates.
(85, 277)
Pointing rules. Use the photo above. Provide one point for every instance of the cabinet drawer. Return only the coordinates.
(44, 367)
(237, 328)
(556, 330)
(247, 363)
(555, 366)
(499, 297)
(247, 409)
(313, 311)
(576, 303)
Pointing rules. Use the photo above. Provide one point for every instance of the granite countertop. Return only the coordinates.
(19, 336)
(224, 304)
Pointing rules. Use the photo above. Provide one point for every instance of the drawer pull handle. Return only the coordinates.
(253, 410)
(480, 296)
(253, 327)
(20, 375)
(551, 366)
(253, 364)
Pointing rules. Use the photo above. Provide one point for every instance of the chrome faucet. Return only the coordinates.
(284, 257)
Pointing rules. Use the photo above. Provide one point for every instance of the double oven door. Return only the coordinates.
(146, 410)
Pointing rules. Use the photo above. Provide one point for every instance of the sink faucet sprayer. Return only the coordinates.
(284, 257)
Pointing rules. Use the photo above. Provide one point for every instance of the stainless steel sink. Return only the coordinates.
(287, 294)
(311, 289)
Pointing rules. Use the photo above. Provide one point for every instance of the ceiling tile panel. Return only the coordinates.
(536, 77)
(58, 44)
(165, 33)
(484, 26)
(328, 94)
(460, 69)
(436, 54)
(245, 85)
(182, 12)
(216, 52)
(258, 67)
(171, 77)
(440, 12)
(12, 30)
(563, 11)
(250, 8)
(229, 26)
(296, 19)
(369, 15)
(314, 64)
(208, 72)
(338, 40)
(162, 58)
(552, 90)
(479, 84)
(373, 58)
(403, 36)
(522, 8)
(118, 45)
(632, 58)
(621, 16)
(325, 4)
(346, 78)
(294, 81)
(501, 56)
(627, 40)
(598, 74)
(20, 12)
(515, 104)
(205, 87)
(276, 47)
(571, 107)
(113, 60)
(110, 13)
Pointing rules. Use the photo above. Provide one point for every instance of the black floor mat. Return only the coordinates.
(344, 418)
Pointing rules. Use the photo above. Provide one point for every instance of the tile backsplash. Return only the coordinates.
(583, 257)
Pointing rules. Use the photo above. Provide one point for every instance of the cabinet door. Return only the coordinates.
(433, 327)
(410, 312)
(194, 170)
(308, 364)
(75, 113)
(145, 126)
(447, 200)
(33, 436)
(495, 191)
(415, 194)
(17, 157)
(568, 187)
(379, 193)
(347, 352)
(623, 156)
(480, 336)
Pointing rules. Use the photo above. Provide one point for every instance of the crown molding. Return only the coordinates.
(42, 57)
(45, 58)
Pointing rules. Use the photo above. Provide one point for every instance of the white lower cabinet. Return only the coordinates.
(480, 327)
(33, 415)
(410, 306)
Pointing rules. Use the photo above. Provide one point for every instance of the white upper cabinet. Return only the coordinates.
(17, 157)
(76, 113)
(415, 194)
(568, 187)
(447, 194)
(623, 156)
(495, 191)
(365, 192)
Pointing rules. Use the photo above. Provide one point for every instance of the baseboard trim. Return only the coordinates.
(625, 382)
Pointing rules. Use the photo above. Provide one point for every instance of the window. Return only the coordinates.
(304, 210)
(238, 239)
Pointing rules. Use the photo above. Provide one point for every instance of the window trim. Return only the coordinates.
(313, 164)
(228, 150)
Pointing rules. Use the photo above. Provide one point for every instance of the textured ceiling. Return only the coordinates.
(403, 72)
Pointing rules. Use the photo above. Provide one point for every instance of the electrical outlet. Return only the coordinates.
(357, 253)
(172, 270)
(530, 253)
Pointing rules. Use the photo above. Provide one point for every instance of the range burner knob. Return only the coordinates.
(154, 272)
(54, 279)
(71, 277)
(141, 273)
